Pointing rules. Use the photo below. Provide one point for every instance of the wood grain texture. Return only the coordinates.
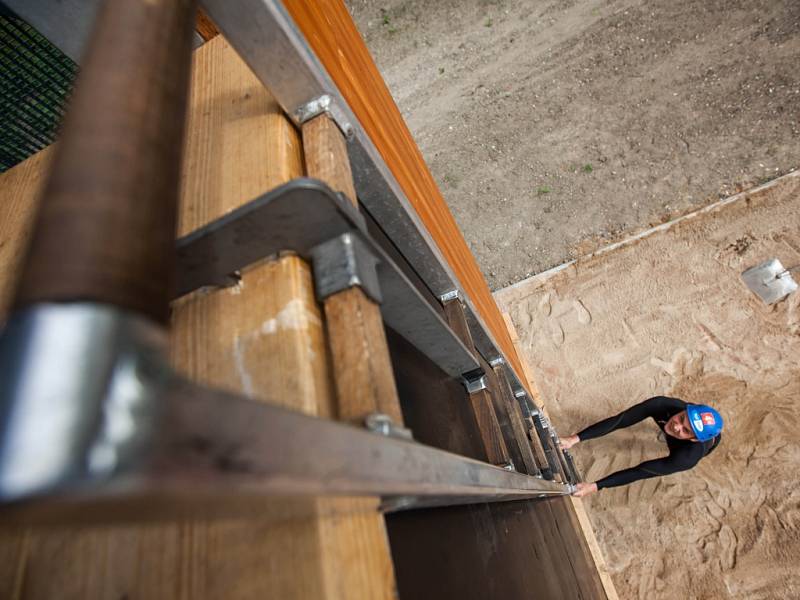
(512, 551)
(330, 31)
(326, 155)
(20, 188)
(514, 415)
(263, 337)
(362, 369)
(536, 446)
(489, 427)
(454, 314)
(482, 403)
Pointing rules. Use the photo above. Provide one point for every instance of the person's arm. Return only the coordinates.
(674, 463)
(636, 413)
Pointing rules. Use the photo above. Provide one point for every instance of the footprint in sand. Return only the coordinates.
(556, 333)
(728, 541)
(584, 316)
(544, 305)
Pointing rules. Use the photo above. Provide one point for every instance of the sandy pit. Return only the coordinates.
(669, 314)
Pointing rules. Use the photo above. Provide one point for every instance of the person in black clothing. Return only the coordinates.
(691, 431)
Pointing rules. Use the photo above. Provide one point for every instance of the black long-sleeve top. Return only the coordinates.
(683, 454)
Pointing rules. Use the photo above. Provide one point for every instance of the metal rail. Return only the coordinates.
(121, 429)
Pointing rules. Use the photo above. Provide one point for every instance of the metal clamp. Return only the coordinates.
(302, 216)
(383, 424)
(474, 381)
(524, 403)
(324, 104)
(448, 296)
(342, 263)
(80, 386)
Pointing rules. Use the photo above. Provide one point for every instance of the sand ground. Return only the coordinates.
(553, 126)
(669, 314)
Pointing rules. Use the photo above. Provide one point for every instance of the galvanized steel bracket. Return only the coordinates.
(324, 104)
(307, 217)
(382, 424)
(474, 381)
(342, 263)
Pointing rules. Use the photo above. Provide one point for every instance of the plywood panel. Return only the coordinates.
(330, 31)
(263, 337)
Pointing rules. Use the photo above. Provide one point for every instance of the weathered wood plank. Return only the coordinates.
(488, 425)
(521, 445)
(19, 193)
(362, 367)
(538, 451)
(481, 401)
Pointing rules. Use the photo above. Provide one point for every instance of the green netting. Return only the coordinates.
(35, 82)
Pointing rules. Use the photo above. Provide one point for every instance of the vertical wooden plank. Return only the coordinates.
(362, 367)
(491, 434)
(514, 415)
(19, 192)
(481, 401)
(538, 452)
(326, 155)
(265, 338)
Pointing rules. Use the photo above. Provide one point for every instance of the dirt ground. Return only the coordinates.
(668, 314)
(554, 126)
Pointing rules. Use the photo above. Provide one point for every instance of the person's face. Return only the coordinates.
(678, 426)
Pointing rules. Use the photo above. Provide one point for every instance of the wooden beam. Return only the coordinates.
(491, 434)
(362, 367)
(19, 193)
(481, 401)
(538, 451)
(513, 414)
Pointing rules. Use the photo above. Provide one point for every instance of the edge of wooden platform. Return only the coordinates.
(586, 529)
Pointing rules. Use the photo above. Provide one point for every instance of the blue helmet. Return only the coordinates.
(705, 421)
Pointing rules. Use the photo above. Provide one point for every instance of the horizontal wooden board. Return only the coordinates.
(334, 38)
